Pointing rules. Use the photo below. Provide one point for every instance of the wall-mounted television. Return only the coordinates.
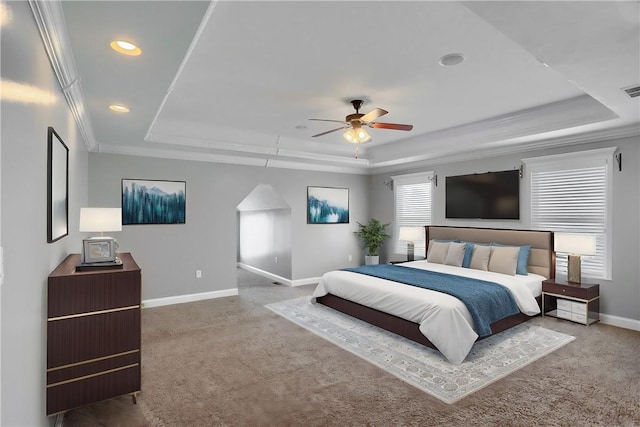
(491, 195)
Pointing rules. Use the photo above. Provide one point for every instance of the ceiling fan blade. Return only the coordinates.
(394, 126)
(372, 115)
(329, 131)
(327, 120)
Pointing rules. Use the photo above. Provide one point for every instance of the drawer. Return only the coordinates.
(578, 308)
(564, 304)
(78, 339)
(85, 293)
(563, 314)
(92, 389)
(579, 318)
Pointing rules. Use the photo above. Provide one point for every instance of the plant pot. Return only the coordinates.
(371, 259)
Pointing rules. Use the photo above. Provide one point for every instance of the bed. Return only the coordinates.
(435, 319)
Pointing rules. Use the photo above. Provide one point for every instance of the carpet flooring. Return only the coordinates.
(233, 362)
(489, 360)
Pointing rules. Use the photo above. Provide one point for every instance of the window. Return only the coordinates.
(412, 195)
(572, 193)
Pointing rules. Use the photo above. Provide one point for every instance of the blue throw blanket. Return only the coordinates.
(486, 301)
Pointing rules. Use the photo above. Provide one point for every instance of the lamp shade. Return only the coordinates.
(411, 234)
(574, 243)
(100, 219)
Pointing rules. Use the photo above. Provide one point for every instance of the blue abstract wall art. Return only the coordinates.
(153, 202)
(326, 205)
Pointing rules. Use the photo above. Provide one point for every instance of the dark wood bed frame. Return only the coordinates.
(541, 261)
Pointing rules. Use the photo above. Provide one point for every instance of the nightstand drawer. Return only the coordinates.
(563, 314)
(582, 291)
(578, 308)
(564, 304)
(579, 318)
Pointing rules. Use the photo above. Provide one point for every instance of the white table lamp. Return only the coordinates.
(100, 219)
(575, 245)
(410, 235)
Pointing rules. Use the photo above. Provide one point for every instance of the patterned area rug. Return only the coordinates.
(489, 360)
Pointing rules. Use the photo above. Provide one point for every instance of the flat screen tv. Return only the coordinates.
(491, 195)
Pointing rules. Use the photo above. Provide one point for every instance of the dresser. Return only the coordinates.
(93, 333)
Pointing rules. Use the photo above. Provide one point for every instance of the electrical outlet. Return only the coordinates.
(198, 274)
(350, 258)
(276, 260)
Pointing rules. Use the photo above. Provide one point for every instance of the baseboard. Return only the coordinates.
(307, 281)
(279, 279)
(179, 299)
(620, 322)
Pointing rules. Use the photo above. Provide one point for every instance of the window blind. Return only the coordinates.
(412, 194)
(572, 195)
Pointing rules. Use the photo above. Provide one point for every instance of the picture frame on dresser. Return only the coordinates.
(57, 187)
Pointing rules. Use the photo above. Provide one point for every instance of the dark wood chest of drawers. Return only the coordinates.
(93, 333)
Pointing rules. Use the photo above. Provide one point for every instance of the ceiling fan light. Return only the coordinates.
(363, 136)
(350, 136)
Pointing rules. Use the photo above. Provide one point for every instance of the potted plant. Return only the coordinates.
(372, 235)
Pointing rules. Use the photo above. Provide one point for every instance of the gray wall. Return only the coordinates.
(618, 297)
(170, 254)
(265, 240)
(28, 257)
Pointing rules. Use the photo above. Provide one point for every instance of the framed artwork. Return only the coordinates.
(326, 205)
(153, 202)
(57, 187)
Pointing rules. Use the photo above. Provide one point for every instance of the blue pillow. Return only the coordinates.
(468, 252)
(523, 258)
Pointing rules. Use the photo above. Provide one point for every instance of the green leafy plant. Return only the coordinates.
(372, 235)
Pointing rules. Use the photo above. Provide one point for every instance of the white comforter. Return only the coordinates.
(443, 319)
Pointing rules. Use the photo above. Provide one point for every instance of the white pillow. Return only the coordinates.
(480, 257)
(504, 259)
(455, 254)
(438, 252)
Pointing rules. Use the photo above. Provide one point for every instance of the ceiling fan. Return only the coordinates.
(356, 134)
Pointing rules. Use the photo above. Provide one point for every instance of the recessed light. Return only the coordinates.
(125, 48)
(451, 59)
(118, 108)
(301, 127)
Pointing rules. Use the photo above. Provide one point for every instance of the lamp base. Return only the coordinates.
(573, 269)
(410, 247)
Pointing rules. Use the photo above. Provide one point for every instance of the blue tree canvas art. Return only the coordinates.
(153, 202)
(327, 205)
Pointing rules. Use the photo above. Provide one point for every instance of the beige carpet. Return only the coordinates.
(231, 361)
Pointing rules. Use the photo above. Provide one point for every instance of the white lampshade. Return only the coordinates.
(100, 219)
(411, 234)
(574, 243)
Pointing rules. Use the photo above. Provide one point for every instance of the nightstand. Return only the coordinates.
(578, 302)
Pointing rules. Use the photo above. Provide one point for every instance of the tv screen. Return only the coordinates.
(491, 195)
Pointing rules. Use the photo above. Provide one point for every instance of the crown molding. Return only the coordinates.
(181, 155)
(53, 31)
(360, 169)
(262, 150)
(210, 144)
(629, 131)
(578, 111)
(279, 146)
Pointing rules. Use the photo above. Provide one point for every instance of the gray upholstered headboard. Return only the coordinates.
(542, 258)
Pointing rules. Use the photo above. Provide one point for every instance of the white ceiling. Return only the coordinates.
(237, 81)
